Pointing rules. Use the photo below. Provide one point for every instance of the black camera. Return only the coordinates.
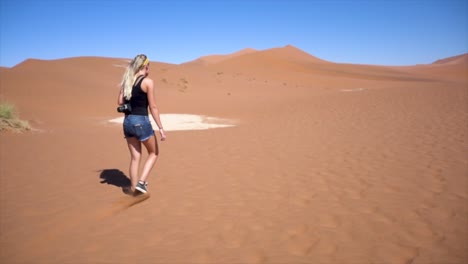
(125, 108)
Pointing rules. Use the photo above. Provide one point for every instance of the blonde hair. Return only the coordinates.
(128, 78)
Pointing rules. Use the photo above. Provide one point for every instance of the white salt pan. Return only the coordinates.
(178, 122)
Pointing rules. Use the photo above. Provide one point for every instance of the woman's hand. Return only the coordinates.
(163, 135)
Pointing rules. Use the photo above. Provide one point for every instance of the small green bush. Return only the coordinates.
(7, 111)
(9, 120)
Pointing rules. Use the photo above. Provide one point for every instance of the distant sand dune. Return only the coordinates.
(460, 59)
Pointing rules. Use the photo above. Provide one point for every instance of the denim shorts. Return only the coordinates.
(137, 126)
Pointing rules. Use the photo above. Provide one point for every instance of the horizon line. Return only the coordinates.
(227, 54)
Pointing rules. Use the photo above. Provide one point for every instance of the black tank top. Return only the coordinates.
(139, 100)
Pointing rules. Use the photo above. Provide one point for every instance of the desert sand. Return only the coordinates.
(326, 163)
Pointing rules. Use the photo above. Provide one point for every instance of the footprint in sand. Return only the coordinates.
(300, 241)
(378, 214)
(403, 254)
(326, 246)
(438, 184)
(132, 200)
(329, 221)
(255, 257)
(302, 200)
(233, 237)
(125, 203)
(302, 244)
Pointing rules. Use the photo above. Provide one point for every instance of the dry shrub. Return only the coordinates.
(9, 120)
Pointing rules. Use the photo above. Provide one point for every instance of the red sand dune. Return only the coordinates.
(213, 59)
(329, 163)
(460, 59)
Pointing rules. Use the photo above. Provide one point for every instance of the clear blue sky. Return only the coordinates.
(384, 32)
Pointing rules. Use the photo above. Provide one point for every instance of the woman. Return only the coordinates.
(137, 91)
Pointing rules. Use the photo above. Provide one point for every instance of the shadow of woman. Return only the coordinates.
(117, 178)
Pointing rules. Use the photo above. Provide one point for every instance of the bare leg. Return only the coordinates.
(151, 146)
(135, 151)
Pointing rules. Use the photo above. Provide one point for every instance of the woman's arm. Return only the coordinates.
(120, 100)
(148, 84)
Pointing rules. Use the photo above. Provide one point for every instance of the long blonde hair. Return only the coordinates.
(128, 78)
